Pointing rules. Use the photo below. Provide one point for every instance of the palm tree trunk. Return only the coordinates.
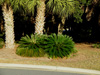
(61, 26)
(40, 18)
(9, 26)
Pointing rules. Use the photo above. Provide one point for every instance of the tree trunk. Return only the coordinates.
(61, 26)
(9, 26)
(40, 18)
(89, 12)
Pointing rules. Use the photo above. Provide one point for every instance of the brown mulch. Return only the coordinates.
(11, 53)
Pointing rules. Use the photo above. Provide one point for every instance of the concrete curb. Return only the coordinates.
(52, 68)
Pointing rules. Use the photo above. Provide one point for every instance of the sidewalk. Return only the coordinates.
(50, 68)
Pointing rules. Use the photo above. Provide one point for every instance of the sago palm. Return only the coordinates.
(30, 46)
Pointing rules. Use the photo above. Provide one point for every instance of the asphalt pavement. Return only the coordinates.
(8, 71)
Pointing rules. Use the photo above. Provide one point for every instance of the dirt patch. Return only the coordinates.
(86, 57)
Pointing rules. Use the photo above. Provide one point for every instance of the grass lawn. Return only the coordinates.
(86, 57)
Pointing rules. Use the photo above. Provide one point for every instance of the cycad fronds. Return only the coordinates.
(1, 41)
(58, 45)
(29, 40)
(29, 46)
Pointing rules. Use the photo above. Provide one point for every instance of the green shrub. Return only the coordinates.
(54, 45)
(97, 45)
(1, 41)
(29, 46)
(57, 45)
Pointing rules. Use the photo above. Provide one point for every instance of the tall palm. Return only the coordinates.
(9, 23)
(40, 18)
(61, 7)
(30, 6)
(9, 20)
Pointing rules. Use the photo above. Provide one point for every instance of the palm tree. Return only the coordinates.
(9, 23)
(30, 6)
(40, 18)
(62, 8)
(8, 6)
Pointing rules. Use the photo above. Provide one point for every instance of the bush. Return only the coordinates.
(52, 45)
(29, 46)
(1, 41)
(57, 45)
(97, 45)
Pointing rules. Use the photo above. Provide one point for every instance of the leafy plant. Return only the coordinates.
(29, 46)
(97, 45)
(1, 41)
(58, 45)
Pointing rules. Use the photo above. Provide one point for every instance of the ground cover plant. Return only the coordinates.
(29, 46)
(97, 45)
(58, 45)
(52, 45)
(1, 41)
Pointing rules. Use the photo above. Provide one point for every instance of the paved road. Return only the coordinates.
(7, 71)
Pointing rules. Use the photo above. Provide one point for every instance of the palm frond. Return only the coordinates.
(63, 8)
(29, 46)
(57, 45)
